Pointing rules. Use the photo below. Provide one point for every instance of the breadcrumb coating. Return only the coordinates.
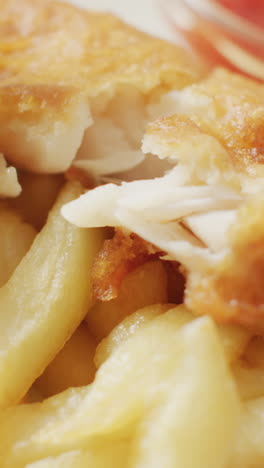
(118, 256)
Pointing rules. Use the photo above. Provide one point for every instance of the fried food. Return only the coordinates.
(179, 220)
(118, 257)
(44, 300)
(38, 195)
(61, 68)
(16, 238)
(206, 212)
(9, 185)
(114, 455)
(127, 328)
(136, 397)
(233, 290)
(226, 106)
(145, 285)
(248, 448)
(73, 366)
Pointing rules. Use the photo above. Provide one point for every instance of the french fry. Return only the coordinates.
(235, 339)
(134, 322)
(39, 192)
(144, 286)
(249, 380)
(44, 300)
(249, 370)
(72, 367)
(248, 450)
(195, 424)
(16, 237)
(136, 380)
(106, 455)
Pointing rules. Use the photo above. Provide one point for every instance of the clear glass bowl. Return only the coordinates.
(218, 35)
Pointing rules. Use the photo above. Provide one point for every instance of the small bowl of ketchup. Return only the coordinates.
(223, 32)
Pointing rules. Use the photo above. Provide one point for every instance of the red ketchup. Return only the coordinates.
(250, 10)
(223, 32)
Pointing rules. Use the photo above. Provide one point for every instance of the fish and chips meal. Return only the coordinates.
(132, 249)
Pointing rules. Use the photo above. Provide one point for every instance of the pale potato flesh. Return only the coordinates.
(44, 300)
(127, 328)
(248, 449)
(39, 192)
(16, 237)
(196, 423)
(144, 374)
(249, 380)
(112, 455)
(234, 338)
(72, 367)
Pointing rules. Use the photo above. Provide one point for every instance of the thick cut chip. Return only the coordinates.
(44, 300)
(144, 286)
(249, 370)
(16, 237)
(248, 450)
(235, 339)
(105, 455)
(194, 427)
(249, 380)
(39, 192)
(133, 383)
(72, 367)
(127, 328)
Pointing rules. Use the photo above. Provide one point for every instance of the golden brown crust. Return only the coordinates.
(173, 129)
(52, 44)
(226, 107)
(237, 104)
(234, 291)
(29, 102)
(179, 138)
(54, 58)
(118, 257)
(177, 135)
(223, 133)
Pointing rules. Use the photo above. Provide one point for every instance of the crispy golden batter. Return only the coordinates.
(52, 58)
(179, 138)
(46, 42)
(234, 290)
(226, 114)
(234, 114)
(118, 256)
(221, 141)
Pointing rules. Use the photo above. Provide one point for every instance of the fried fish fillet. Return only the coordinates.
(206, 212)
(63, 70)
(233, 290)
